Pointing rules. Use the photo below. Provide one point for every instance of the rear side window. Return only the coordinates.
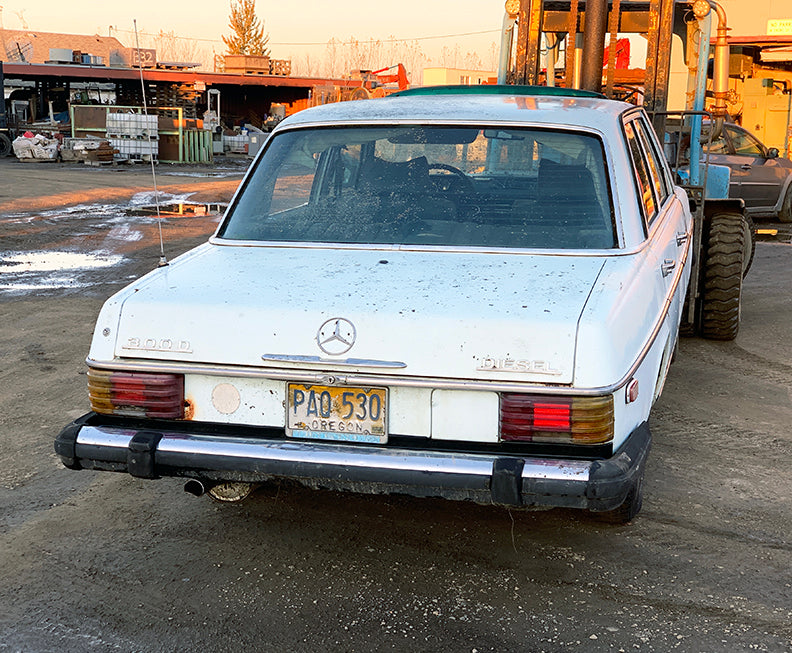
(646, 187)
(469, 186)
(657, 166)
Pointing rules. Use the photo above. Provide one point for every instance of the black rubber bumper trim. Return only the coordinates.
(66, 442)
(611, 480)
(140, 455)
(506, 483)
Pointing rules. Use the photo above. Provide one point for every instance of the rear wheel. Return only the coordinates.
(722, 276)
(687, 329)
(785, 214)
(5, 145)
(749, 244)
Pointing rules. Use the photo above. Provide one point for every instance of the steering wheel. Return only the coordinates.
(454, 171)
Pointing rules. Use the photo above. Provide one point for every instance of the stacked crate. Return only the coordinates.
(134, 135)
(92, 151)
(176, 95)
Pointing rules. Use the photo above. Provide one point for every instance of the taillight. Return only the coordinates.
(573, 420)
(136, 394)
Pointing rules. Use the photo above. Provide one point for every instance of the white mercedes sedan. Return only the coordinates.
(472, 295)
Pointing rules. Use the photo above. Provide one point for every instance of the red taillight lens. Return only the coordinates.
(573, 420)
(136, 394)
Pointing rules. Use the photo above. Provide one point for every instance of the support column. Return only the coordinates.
(529, 43)
(593, 44)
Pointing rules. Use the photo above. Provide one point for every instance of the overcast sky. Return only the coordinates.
(286, 21)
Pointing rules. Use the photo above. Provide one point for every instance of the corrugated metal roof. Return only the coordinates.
(36, 46)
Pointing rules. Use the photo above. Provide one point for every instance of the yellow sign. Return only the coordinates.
(779, 27)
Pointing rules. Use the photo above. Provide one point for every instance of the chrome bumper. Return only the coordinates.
(483, 477)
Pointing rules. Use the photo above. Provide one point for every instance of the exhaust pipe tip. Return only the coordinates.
(194, 487)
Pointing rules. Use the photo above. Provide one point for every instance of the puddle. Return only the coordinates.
(78, 247)
(50, 261)
(26, 271)
(211, 175)
(176, 209)
(145, 204)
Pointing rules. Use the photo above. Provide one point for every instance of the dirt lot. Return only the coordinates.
(97, 561)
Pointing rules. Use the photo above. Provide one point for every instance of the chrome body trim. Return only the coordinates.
(341, 456)
(318, 360)
(618, 250)
(578, 253)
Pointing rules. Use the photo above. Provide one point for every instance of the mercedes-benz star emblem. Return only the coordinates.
(336, 336)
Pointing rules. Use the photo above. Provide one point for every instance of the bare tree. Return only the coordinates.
(171, 47)
(247, 32)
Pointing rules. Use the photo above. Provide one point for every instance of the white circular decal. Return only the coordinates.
(225, 398)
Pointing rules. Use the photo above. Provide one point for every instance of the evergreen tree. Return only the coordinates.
(247, 35)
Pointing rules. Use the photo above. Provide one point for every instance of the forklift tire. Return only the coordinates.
(5, 145)
(722, 276)
(749, 244)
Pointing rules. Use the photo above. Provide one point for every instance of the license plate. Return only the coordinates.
(335, 413)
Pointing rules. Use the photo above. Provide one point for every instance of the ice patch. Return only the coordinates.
(125, 232)
(16, 262)
(149, 198)
(22, 272)
(215, 175)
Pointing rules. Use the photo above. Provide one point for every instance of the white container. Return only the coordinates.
(132, 125)
(63, 55)
(235, 144)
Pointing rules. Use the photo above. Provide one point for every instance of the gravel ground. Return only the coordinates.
(97, 561)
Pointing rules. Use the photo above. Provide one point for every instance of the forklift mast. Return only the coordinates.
(533, 28)
(583, 25)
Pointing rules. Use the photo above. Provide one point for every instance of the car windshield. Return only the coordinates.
(424, 186)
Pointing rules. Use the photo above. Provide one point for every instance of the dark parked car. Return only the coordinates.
(758, 175)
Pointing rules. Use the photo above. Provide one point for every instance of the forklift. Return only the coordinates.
(536, 31)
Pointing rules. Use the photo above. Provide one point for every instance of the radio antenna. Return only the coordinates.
(162, 261)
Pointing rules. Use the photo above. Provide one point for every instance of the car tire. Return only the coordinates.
(722, 276)
(688, 329)
(785, 214)
(5, 145)
(627, 511)
(749, 244)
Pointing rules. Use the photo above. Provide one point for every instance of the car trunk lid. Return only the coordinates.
(442, 314)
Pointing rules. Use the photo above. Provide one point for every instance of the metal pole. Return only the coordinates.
(507, 38)
(534, 60)
(552, 57)
(705, 30)
(788, 91)
(522, 41)
(3, 124)
(571, 71)
(596, 18)
(615, 18)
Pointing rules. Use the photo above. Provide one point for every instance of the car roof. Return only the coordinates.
(477, 107)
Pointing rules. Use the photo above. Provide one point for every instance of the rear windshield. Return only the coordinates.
(418, 185)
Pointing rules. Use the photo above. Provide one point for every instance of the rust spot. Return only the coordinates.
(189, 409)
